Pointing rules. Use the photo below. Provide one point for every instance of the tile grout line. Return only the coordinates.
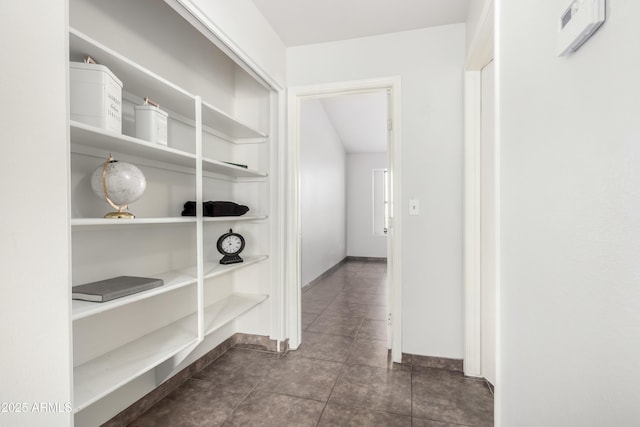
(342, 368)
(344, 364)
(331, 392)
(252, 389)
(351, 345)
(411, 388)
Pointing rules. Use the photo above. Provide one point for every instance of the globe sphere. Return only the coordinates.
(125, 182)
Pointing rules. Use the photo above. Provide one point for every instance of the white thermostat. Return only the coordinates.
(578, 22)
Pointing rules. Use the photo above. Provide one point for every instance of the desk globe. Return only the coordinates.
(120, 183)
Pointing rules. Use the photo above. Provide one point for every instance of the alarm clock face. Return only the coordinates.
(232, 244)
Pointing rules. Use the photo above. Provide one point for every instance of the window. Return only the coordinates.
(380, 202)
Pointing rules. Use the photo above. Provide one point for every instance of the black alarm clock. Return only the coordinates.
(230, 245)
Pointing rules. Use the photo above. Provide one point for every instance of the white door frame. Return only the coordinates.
(480, 53)
(293, 245)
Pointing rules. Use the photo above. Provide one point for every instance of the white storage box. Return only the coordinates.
(96, 96)
(151, 123)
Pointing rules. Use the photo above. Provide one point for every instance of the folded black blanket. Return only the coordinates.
(215, 209)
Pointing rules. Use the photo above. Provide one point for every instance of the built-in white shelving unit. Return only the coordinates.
(131, 338)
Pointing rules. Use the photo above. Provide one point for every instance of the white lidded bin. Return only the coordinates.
(151, 123)
(96, 96)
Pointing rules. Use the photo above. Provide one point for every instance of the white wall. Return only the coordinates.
(35, 361)
(570, 289)
(242, 23)
(322, 192)
(361, 241)
(430, 63)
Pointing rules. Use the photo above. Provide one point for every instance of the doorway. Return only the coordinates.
(297, 96)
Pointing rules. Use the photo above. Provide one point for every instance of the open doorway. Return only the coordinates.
(343, 243)
(343, 156)
(365, 190)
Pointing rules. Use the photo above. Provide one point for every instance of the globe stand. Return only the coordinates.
(120, 214)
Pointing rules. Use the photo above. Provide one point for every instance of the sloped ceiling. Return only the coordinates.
(360, 120)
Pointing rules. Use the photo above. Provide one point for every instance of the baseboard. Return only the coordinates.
(366, 259)
(323, 275)
(135, 410)
(433, 362)
(259, 342)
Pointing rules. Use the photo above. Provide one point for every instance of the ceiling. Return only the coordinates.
(300, 22)
(360, 120)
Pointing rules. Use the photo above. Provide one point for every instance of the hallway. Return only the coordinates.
(340, 376)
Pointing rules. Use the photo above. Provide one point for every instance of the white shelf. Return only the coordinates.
(228, 127)
(234, 218)
(214, 268)
(172, 280)
(83, 135)
(108, 222)
(135, 78)
(222, 168)
(224, 311)
(99, 377)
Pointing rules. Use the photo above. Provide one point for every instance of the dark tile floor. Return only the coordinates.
(340, 376)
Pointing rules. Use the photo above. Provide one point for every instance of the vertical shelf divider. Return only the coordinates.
(199, 222)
